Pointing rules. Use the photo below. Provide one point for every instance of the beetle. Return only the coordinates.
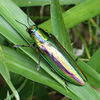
(56, 55)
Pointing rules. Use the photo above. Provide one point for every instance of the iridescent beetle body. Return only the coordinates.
(55, 54)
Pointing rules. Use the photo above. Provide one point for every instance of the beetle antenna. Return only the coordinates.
(27, 16)
(21, 23)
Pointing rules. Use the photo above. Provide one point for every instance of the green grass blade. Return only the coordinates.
(5, 73)
(58, 26)
(8, 96)
(94, 62)
(84, 42)
(77, 14)
(10, 29)
(23, 3)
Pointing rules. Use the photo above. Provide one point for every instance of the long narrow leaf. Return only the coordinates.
(94, 62)
(22, 3)
(5, 73)
(77, 14)
(58, 25)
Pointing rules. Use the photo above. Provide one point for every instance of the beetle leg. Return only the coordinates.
(38, 67)
(66, 84)
(52, 69)
(17, 46)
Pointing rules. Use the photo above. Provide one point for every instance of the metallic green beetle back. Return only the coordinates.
(55, 54)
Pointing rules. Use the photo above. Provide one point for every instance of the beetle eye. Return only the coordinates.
(30, 31)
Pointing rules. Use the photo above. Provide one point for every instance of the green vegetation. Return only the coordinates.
(75, 21)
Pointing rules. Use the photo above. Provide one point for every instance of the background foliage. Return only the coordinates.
(78, 19)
